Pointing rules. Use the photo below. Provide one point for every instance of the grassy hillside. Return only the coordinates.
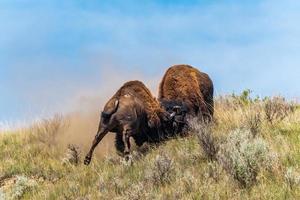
(252, 151)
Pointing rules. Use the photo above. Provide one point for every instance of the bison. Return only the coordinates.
(131, 112)
(187, 91)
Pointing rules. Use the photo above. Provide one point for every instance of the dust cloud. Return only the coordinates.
(85, 108)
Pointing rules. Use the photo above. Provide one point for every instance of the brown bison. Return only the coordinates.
(188, 91)
(131, 112)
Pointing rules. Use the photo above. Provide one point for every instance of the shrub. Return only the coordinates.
(2, 195)
(277, 108)
(205, 138)
(292, 178)
(162, 170)
(244, 98)
(243, 156)
(72, 155)
(22, 185)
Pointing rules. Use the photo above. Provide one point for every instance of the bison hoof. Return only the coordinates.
(127, 157)
(127, 160)
(87, 160)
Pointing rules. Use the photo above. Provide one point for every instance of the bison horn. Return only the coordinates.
(172, 115)
(176, 108)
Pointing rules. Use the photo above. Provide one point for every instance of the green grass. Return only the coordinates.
(190, 175)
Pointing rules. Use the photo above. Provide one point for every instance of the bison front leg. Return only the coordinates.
(126, 139)
(101, 133)
(119, 144)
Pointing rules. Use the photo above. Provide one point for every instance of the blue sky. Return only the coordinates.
(51, 51)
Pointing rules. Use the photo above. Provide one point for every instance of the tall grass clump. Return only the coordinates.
(243, 156)
(292, 178)
(203, 131)
(277, 108)
(253, 120)
(21, 185)
(136, 192)
(236, 110)
(47, 130)
(72, 155)
(162, 170)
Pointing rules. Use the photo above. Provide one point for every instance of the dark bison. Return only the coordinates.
(187, 91)
(131, 112)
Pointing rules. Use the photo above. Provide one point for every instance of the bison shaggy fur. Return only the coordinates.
(186, 85)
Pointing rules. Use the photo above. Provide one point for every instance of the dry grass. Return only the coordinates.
(277, 108)
(253, 120)
(205, 137)
(242, 155)
(47, 131)
(72, 156)
(162, 171)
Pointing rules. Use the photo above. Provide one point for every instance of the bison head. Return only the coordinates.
(177, 116)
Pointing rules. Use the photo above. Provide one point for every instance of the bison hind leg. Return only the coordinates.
(119, 144)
